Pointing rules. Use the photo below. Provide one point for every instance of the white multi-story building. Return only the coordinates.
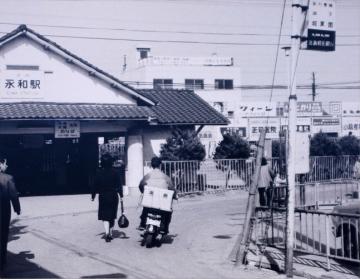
(214, 78)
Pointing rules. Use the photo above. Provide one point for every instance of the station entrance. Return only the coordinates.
(44, 165)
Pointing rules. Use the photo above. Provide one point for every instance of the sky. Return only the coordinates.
(103, 31)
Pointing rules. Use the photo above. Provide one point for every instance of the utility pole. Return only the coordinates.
(313, 87)
(239, 253)
(295, 49)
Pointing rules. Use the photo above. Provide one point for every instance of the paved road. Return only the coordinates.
(61, 237)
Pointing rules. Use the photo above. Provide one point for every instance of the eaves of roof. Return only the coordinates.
(57, 111)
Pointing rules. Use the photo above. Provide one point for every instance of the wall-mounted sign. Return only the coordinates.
(240, 131)
(326, 121)
(256, 125)
(67, 129)
(257, 109)
(351, 125)
(305, 109)
(335, 108)
(326, 125)
(350, 109)
(21, 84)
(303, 124)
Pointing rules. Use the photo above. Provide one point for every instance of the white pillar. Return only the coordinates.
(135, 163)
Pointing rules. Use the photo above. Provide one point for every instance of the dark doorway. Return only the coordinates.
(44, 165)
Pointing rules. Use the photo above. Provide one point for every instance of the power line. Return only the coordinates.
(277, 49)
(170, 41)
(243, 87)
(164, 31)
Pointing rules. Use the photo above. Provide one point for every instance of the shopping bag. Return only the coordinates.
(123, 221)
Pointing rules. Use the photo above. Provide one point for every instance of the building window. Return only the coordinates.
(314, 23)
(331, 25)
(22, 67)
(230, 114)
(219, 106)
(224, 84)
(163, 83)
(314, 12)
(194, 84)
(322, 23)
(144, 52)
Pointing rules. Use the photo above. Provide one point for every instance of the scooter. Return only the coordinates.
(158, 201)
(153, 232)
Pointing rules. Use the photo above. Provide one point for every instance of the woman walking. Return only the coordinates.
(8, 194)
(108, 186)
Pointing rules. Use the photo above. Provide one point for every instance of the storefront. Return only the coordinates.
(59, 113)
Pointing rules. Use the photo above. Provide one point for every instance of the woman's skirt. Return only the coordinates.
(108, 206)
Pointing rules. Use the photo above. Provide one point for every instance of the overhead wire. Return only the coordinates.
(162, 31)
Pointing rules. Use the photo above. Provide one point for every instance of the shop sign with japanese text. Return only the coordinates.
(305, 109)
(326, 125)
(321, 40)
(351, 125)
(320, 25)
(256, 125)
(21, 84)
(67, 129)
(257, 109)
(240, 131)
(303, 124)
(350, 109)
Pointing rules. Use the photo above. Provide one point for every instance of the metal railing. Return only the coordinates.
(195, 176)
(332, 235)
(324, 193)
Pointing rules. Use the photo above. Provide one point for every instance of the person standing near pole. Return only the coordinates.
(264, 183)
(356, 174)
(8, 194)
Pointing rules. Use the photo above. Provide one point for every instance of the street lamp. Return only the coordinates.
(287, 50)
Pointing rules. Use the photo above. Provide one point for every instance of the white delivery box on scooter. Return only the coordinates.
(157, 198)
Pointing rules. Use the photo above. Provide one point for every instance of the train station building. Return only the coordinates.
(59, 113)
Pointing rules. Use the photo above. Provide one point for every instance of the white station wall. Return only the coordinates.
(60, 81)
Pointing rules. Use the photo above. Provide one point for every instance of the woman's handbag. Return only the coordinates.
(123, 222)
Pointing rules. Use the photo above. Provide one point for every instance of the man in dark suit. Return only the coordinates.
(8, 193)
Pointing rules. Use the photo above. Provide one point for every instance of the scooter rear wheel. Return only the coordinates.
(148, 240)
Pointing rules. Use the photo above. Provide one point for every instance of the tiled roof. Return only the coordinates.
(73, 111)
(182, 107)
(172, 107)
(166, 106)
(23, 30)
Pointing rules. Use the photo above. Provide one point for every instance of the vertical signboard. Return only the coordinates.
(302, 153)
(321, 25)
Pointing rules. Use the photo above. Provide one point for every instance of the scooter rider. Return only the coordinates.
(156, 178)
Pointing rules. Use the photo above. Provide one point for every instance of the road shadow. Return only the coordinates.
(168, 239)
(111, 275)
(20, 265)
(119, 234)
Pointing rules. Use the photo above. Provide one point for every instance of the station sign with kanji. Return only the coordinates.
(21, 85)
(67, 129)
(320, 31)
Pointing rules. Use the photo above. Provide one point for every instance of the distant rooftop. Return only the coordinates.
(213, 60)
